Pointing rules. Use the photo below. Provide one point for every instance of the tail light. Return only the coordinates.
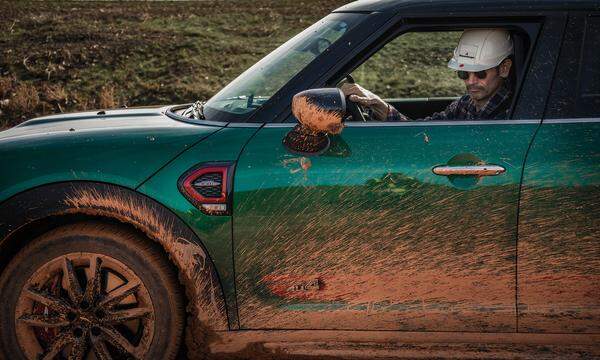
(208, 187)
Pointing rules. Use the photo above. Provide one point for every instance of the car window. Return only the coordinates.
(576, 89)
(411, 74)
(257, 84)
(413, 66)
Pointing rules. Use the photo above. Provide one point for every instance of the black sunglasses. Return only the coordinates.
(464, 75)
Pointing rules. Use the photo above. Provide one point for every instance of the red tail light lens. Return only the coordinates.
(208, 187)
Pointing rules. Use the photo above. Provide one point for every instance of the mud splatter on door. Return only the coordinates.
(371, 239)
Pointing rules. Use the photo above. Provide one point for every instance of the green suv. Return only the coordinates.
(150, 232)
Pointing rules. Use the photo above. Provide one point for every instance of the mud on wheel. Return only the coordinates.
(90, 291)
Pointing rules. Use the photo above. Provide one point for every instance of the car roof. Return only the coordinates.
(469, 7)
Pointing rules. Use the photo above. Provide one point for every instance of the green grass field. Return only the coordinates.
(68, 56)
(412, 65)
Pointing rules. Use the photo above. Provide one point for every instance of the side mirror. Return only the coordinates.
(320, 112)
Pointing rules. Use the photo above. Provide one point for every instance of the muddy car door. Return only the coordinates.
(559, 227)
(367, 236)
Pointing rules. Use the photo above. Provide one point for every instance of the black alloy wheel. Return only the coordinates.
(90, 291)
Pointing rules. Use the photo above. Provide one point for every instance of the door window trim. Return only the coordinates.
(532, 27)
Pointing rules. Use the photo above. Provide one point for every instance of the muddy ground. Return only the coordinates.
(66, 56)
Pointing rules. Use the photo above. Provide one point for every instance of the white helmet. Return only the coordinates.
(481, 49)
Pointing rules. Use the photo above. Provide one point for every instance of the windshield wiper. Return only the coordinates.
(196, 111)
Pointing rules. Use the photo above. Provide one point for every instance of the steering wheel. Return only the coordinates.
(317, 46)
(355, 109)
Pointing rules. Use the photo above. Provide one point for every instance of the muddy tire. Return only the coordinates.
(90, 289)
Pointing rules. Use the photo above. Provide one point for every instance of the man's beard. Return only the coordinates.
(475, 87)
(480, 92)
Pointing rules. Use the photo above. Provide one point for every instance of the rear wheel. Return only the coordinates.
(90, 291)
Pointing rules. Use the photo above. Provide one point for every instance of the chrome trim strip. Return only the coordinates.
(441, 123)
(245, 125)
(419, 123)
(280, 125)
(570, 121)
(449, 122)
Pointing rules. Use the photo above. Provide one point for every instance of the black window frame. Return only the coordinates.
(531, 26)
(529, 100)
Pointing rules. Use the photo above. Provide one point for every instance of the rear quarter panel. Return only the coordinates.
(559, 230)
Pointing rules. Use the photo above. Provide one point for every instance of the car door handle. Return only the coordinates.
(469, 170)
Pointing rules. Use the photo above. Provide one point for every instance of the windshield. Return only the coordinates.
(257, 84)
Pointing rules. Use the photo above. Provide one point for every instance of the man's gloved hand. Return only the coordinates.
(364, 97)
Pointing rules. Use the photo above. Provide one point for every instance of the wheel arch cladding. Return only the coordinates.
(206, 307)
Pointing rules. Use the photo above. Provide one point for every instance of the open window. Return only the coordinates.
(410, 71)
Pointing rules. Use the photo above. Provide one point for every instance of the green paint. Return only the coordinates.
(377, 208)
(559, 230)
(125, 149)
(213, 231)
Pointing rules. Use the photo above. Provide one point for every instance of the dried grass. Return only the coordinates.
(82, 102)
(55, 93)
(25, 99)
(106, 98)
(6, 85)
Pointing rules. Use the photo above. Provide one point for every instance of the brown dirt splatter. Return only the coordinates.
(311, 344)
(315, 118)
(391, 288)
(206, 310)
(559, 259)
(420, 271)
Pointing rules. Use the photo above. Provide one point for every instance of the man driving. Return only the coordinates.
(482, 60)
